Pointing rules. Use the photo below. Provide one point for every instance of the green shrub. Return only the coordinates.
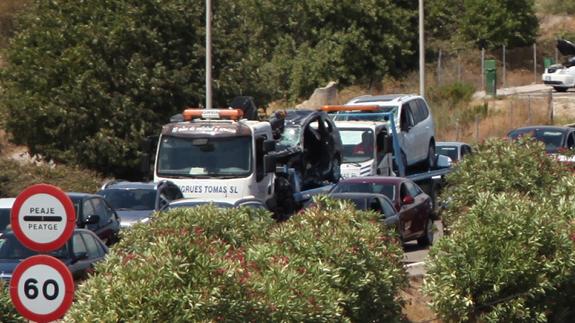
(509, 255)
(16, 176)
(500, 166)
(7, 311)
(205, 264)
(512, 260)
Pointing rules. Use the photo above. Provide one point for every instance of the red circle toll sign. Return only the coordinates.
(43, 217)
(42, 288)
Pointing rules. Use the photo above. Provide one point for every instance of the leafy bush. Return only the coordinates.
(509, 256)
(7, 311)
(329, 263)
(16, 176)
(512, 260)
(500, 166)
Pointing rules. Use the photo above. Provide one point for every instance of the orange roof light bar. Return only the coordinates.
(337, 108)
(231, 114)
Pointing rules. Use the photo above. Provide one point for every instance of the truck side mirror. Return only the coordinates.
(269, 164)
(385, 141)
(269, 145)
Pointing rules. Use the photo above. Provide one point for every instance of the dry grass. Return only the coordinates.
(415, 308)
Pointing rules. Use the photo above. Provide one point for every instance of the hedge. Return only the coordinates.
(329, 263)
(510, 254)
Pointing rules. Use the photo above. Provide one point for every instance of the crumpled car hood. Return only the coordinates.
(565, 47)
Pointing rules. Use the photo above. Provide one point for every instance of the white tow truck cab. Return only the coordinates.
(368, 146)
(215, 154)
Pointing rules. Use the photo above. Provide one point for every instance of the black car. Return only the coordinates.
(309, 142)
(555, 138)
(136, 201)
(79, 253)
(95, 214)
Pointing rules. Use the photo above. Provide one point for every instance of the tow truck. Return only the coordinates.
(370, 147)
(217, 154)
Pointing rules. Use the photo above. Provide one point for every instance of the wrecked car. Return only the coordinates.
(308, 142)
(562, 76)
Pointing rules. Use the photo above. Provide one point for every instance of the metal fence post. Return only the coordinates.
(535, 62)
(483, 69)
(550, 106)
(504, 68)
(477, 128)
(529, 109)
(511, 112)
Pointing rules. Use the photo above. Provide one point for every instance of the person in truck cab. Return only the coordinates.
(365, 147)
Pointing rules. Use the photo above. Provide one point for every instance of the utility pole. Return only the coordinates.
(208, 54)
(421, 52)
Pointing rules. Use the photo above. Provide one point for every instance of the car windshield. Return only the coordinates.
(449, 151)
(130, 199)
(291, 137)
(358, 145)
(365, 116)
(205, 157)
(11, 248)
(385, 189)
(553, 139)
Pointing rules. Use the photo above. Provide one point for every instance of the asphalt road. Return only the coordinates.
(415, 256)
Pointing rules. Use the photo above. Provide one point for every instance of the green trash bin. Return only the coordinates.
(548, 61)
(490, 77)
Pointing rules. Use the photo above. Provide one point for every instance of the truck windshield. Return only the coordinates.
(205, 157)
(364, 116)
(358, 144)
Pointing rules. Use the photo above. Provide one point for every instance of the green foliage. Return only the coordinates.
(87, 81)
(454, 95)
(8, 313)
(500, 166)
(449, 103)
(509, 256)
(329, 263)
(512, 260)
(17, 176)
(484, 23)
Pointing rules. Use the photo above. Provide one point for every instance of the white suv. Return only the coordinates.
(414, 124)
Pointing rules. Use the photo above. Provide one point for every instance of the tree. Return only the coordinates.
(87, 81)
(484, 23)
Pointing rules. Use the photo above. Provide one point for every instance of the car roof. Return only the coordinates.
(357, 195)
(543, 127)
(129, 185)
(7, 202)
(451, 143)
(80, 195)
(388, 99)
(375, 179)
(301, 116)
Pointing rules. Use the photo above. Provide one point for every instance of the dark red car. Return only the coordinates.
(415, 208)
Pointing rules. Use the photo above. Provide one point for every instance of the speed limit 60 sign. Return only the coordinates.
(42, 288)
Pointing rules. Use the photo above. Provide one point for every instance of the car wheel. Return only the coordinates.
(560, 89)
(427, 238)
(431, 158)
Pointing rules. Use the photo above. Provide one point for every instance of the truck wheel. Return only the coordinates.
(431, 158)
(560, 89)
(286, 204)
